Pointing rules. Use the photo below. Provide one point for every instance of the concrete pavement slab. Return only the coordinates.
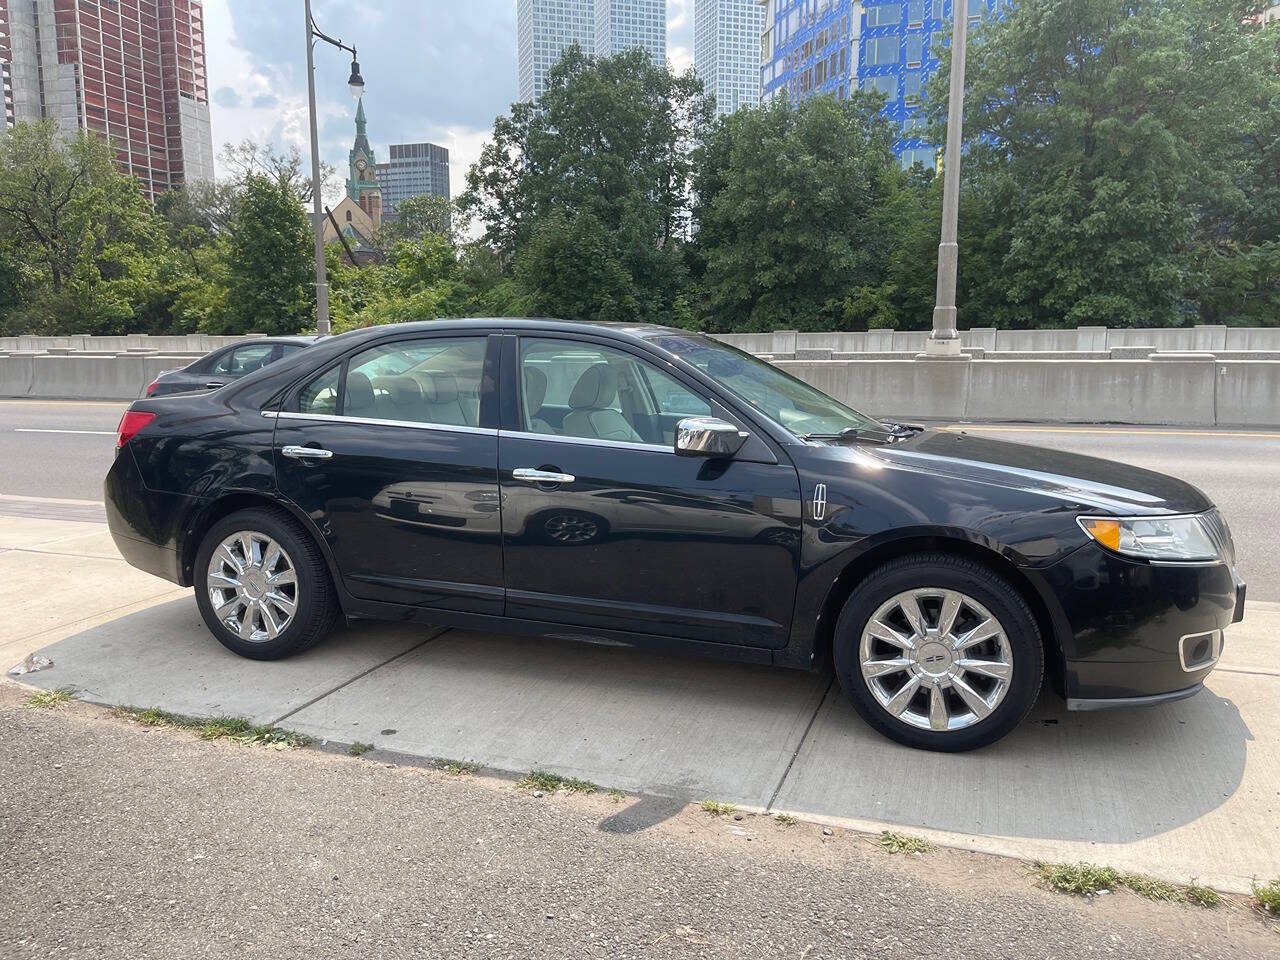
(666, 725)
(164, 656)
(1188, 789)
(32, 532)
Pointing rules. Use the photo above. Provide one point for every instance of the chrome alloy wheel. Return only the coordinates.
(936, 659)
(253, 587)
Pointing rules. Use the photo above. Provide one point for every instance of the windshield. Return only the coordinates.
(794, 404)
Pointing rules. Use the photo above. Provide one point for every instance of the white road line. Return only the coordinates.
(87, 433)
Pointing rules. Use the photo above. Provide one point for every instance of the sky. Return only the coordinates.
(434, 70)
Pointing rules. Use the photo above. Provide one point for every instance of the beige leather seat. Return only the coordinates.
(591, 414)
(535, 392)
(400, 398)
(359, 401)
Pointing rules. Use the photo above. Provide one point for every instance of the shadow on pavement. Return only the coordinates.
(679, 728)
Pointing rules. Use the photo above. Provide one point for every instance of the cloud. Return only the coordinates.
(226, 97)
(265, 101)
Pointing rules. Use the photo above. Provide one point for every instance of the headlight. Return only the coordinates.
(1154, 538)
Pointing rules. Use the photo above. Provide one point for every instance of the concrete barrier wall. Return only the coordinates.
(1189, 389)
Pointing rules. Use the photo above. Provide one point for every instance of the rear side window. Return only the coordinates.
(243, 360)
(320, 396)
(433, 381)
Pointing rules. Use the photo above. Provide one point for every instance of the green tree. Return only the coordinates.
(1099, 132)
(572, 269)
(417, 217)
(270, 263)
(796, 216)
(603, 157)
(81, 235)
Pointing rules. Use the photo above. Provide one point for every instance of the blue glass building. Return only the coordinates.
(834, 46)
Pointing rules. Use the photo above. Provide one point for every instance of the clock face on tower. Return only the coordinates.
(362, 165)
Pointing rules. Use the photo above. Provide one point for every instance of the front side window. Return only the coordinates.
(576, 389)
(782, 398)
(431, 381)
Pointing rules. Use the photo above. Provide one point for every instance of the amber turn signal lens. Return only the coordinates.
(1106, 532)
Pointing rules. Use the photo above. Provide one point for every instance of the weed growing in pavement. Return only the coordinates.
(1201, 896)
(49, 699)
(902, 842)
(786, 819)
(616, 795)
(718, 809)
(458, 768)
(548, 782)
(237, 729)
(1087, 879)
(1267, 897)
(357, 748)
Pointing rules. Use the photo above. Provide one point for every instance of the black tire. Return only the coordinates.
(980, 584)
(316, 604)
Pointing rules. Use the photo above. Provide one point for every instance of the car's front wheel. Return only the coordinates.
(262, 585)
(939, 652)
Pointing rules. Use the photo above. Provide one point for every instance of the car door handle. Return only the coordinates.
(215, 384)
(307, 453)
(530, 475)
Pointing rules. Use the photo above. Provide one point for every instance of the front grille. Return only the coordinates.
(1220, 534)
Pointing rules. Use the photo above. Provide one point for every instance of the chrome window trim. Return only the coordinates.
(375, 422)
(589, 441)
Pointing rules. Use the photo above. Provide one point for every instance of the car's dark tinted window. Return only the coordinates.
(289, 349)
(243, 360)
(320, 396)
(433, 381)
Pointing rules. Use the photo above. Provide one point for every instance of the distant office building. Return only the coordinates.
(834, 46)
(414, 169)
(544, 30)
(623, 25)
(726, 50)
(131, 70)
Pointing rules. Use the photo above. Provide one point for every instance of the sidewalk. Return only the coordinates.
(1191, 789)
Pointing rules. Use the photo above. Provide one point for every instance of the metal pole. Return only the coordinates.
(944, 340)
(322, 281)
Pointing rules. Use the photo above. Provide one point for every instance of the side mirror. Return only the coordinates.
(708, 437)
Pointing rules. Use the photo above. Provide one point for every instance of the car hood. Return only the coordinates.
(1101, 484)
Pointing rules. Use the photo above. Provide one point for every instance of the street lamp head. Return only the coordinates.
(356, 83)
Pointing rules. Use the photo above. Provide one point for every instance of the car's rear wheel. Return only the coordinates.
(939, 652)
(262, 586)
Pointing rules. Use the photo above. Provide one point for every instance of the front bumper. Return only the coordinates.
(1128, 629)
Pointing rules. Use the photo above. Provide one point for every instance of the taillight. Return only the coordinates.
(151, 387)
(130, 424)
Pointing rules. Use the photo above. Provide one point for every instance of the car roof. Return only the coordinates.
(640, 331)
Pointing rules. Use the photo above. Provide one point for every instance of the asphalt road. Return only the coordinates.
(53, 449)
(119, 842)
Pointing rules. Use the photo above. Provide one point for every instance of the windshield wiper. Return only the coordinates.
(850, 434)
(901, 431)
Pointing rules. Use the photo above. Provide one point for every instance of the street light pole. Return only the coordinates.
(944, 340)
(356, 85)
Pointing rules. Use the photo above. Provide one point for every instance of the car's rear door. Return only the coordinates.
(605, 526)
(393, 452)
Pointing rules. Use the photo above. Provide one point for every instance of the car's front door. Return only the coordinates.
(393, 453)
(605, 526)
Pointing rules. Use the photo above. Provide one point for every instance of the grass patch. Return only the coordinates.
(358, 749)
(786, 819)
(549, 782)
(1201, 896)
(458, 768)
(49, 699)
(716, 808)
(616, 795)
(1267, 897)
(902, 842)
(1087, 879)
(237, 729)
(1082, 879)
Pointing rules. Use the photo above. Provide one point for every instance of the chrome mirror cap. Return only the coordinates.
(708, 437)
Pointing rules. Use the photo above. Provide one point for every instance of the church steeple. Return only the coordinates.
(362, 182)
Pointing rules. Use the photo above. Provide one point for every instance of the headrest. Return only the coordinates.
(596, 388)
(535, 390)
(359, 394)
(401, 391)
(439, 387)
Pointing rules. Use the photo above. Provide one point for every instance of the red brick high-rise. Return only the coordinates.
(131, 70)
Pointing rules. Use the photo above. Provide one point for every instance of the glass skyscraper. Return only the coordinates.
(726, 50)
(546, 28)
(834, 46)
(626, 24)
(413, 169)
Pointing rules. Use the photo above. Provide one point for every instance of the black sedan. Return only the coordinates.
(654, 487)
(220, 367)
